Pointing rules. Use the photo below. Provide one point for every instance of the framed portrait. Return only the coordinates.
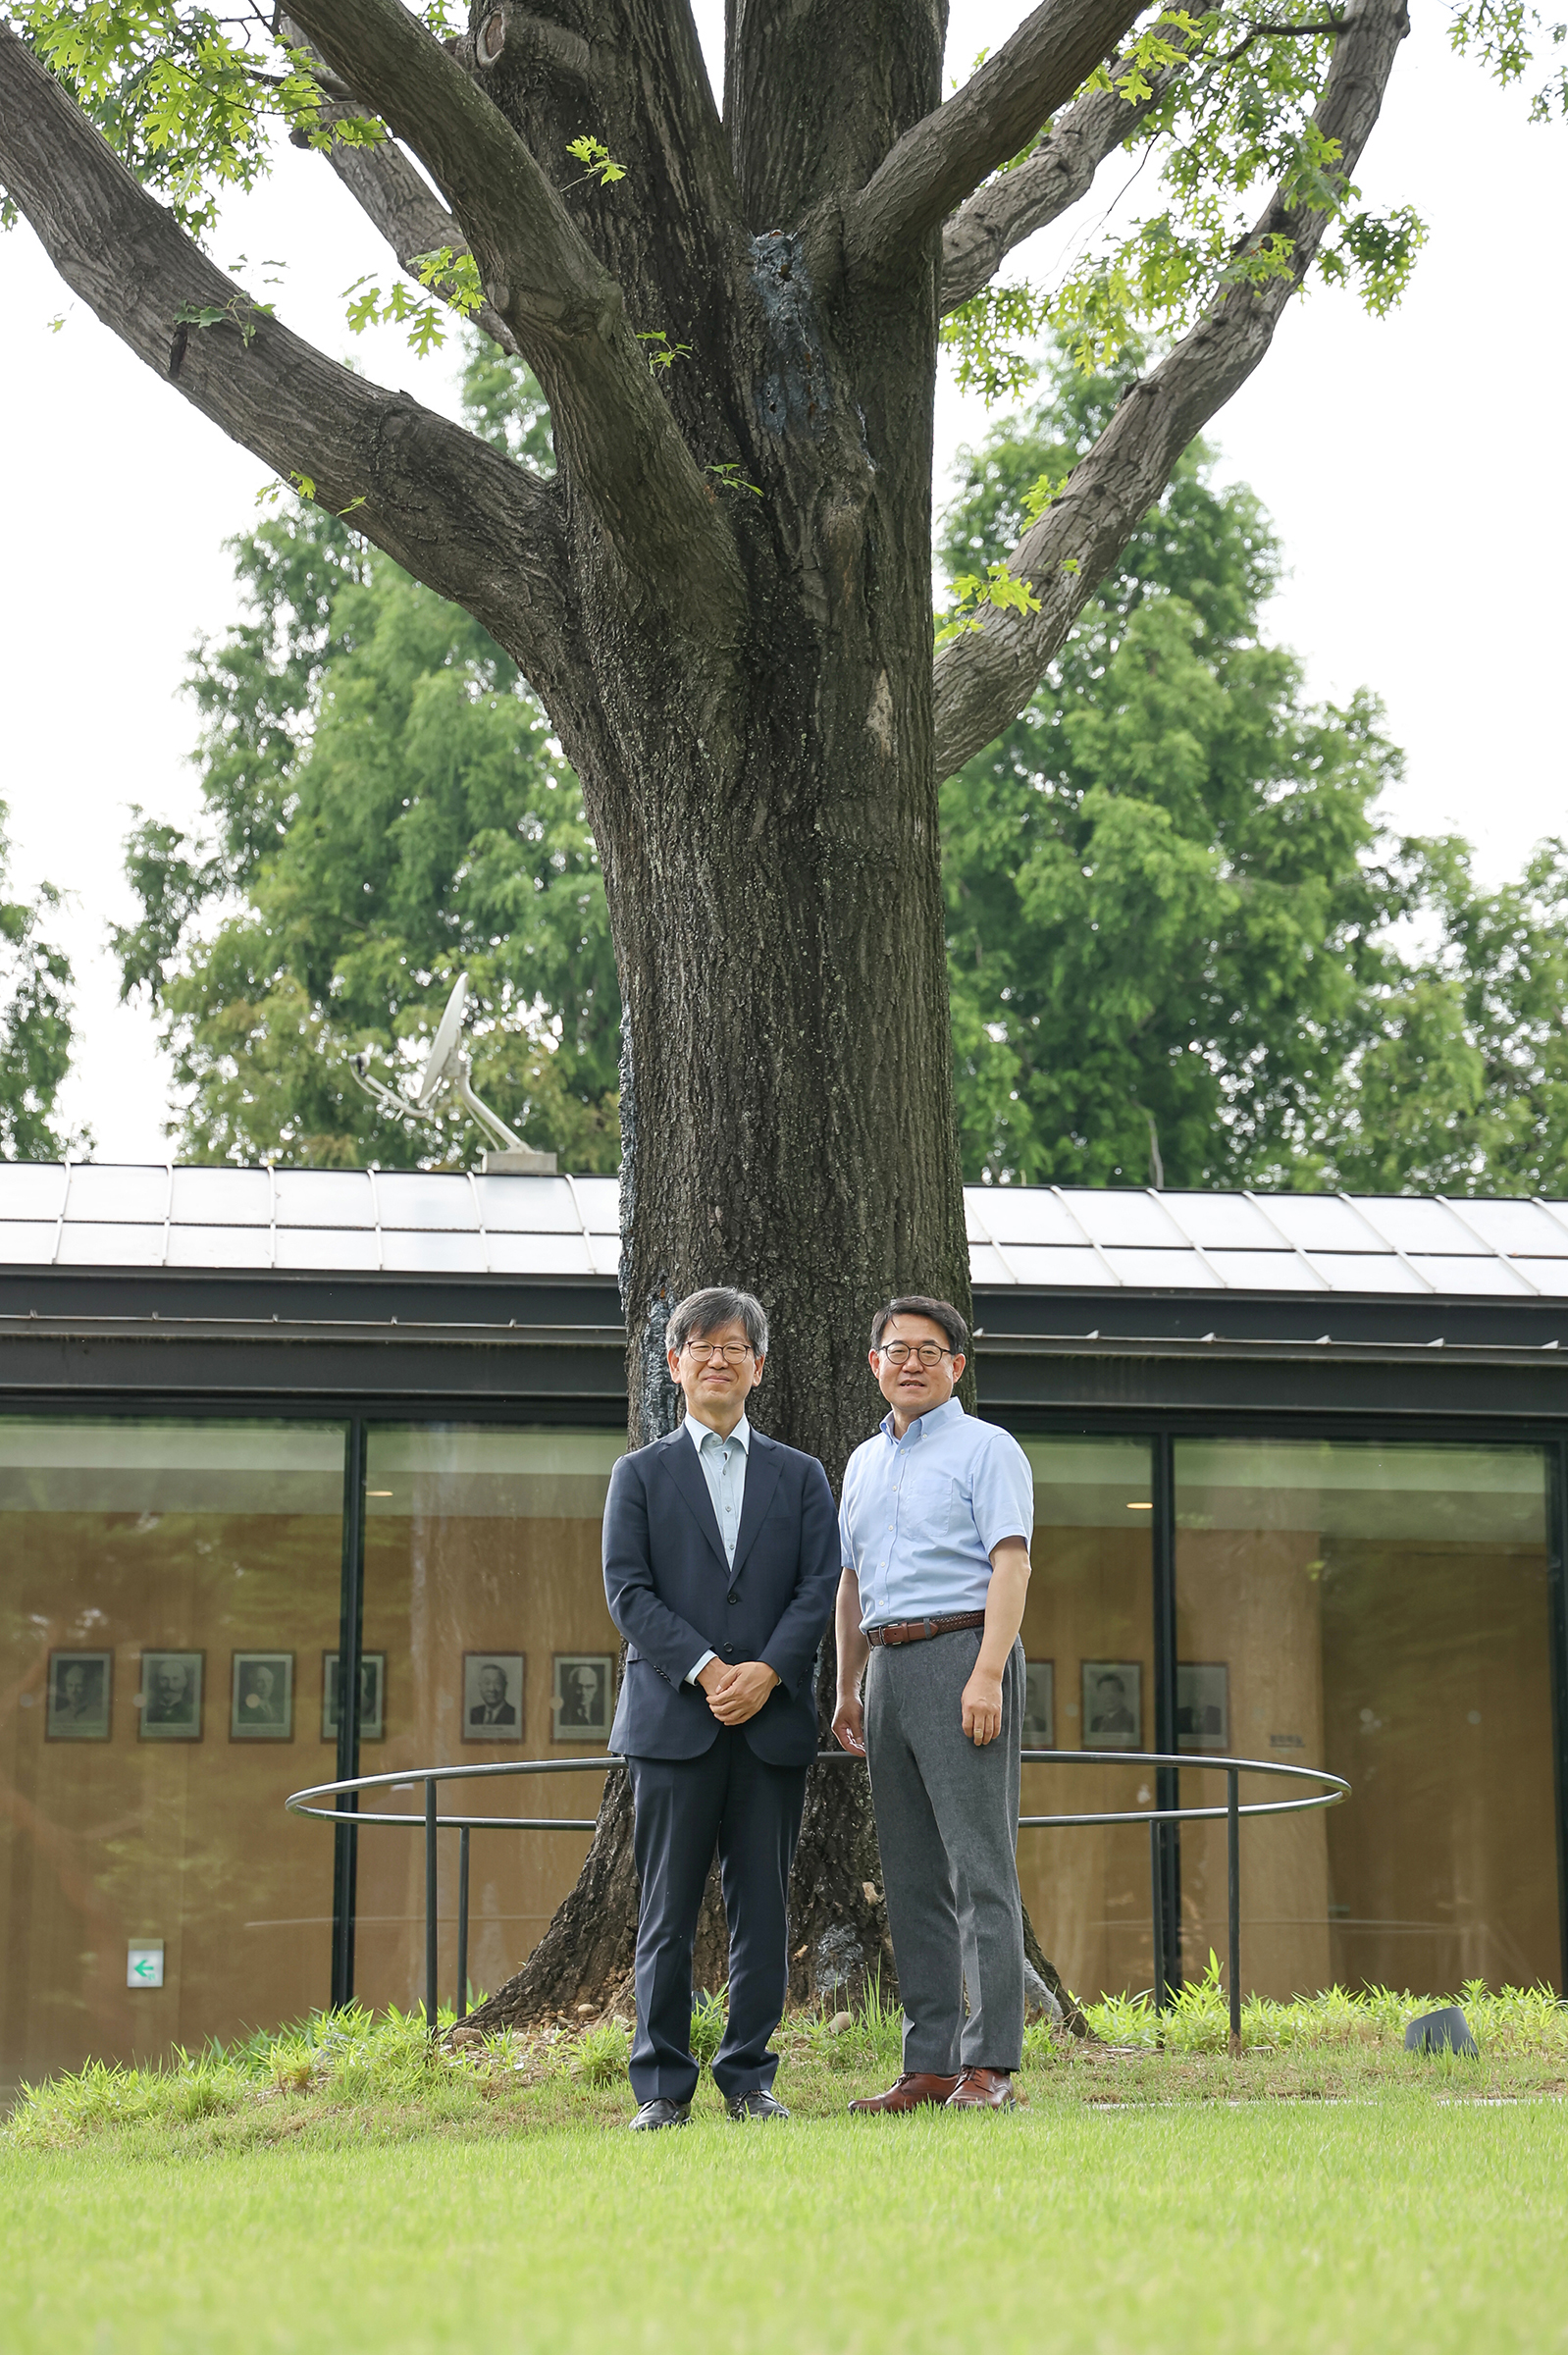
(582, 1699)
(77, 1696)
(372, 1696)
(1203, 1705)
(169, 1699)
(492, 1696)
(1112, 1704)
(1039, 1704)
(261, 1697)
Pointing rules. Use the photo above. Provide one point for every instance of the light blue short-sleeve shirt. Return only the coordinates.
(920, 1515)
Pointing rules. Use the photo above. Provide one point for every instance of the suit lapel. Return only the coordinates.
(762, 1478)
(680, 1458)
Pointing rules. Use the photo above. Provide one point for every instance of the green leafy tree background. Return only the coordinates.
(36, 1025)
(387, 810)
(1183, 945)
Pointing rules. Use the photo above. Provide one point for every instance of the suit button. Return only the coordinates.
(735, 1599)
(729, 1651)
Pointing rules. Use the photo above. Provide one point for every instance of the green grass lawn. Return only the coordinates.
(1327, 2193)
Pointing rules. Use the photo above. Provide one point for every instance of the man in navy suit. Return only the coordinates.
(721, 1567)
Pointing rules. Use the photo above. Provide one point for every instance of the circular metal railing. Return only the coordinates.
(1331, 1789)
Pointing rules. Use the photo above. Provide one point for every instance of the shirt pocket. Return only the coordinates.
(929, 1506)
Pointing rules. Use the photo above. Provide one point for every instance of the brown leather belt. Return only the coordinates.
(915, 1631)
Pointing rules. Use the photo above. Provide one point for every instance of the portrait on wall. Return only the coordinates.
(581, 1697)
(1203, 1705)
(261, 1697)
(1112, 1704)
(169, 1699)
(1039, 1704)
(492, 1696)
(372, 1696)
(78, 1693)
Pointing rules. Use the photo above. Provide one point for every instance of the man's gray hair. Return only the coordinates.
(702, 1313)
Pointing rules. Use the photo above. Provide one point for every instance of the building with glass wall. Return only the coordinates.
(1300, 1468)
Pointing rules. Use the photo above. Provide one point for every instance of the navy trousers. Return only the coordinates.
(732, 1800)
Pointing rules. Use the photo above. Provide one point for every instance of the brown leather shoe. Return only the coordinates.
(915, 2090)
(983, 2089)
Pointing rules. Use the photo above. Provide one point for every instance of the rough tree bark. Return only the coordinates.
(724, 602)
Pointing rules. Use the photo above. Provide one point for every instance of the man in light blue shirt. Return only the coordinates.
(934, 1525)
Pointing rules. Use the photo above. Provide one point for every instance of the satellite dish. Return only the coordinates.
(448, 1031)
(447, 1068)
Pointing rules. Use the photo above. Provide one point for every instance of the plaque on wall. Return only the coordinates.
(492, 1696)
(1203, 1705)
(1112, 1704)
(78, 1695)
(372, 1696)
(1039, 1704)
(261, 1697)
(581, 1697)
(169, 1699)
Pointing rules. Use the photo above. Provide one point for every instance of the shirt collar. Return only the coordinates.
(934, 1415)
(697, 1432)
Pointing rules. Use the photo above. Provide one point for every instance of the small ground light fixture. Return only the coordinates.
(446, 1069)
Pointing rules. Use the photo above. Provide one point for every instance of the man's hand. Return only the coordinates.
(982, 1708)
(739, 1693)
(849, 1723)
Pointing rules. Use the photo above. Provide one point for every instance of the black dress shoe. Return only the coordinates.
(653, 2114)
(755, 2104)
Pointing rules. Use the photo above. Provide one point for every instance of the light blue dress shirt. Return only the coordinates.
(723, 1463)
(920, 1515)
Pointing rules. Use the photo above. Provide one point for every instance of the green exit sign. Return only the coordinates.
(144, 1963)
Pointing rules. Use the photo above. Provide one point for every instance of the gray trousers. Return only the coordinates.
(947, 1824)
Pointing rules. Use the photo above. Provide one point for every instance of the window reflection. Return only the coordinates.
(484, 1593)
(1382, 1611)
(169, 1591)
(1087, 1639)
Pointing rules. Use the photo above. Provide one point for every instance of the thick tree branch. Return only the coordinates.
(982, 233)
(457, 514)
(615, 439)
(984, 679)
(389, 192)
(937, 163)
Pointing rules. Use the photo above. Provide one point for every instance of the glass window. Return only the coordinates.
(169, 1593)
(486, 1637)
(1381, 1611)
(1087, 1639)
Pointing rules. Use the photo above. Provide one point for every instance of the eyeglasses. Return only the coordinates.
(929, 1353)
(734, 1353)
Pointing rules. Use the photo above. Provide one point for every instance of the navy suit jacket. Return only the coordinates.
(673, 1596)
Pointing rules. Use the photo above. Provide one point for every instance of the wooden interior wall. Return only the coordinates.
(105, 1842)
(1436, 1673)
(1252, 1600)
(435, 1589)
(1087, 1889)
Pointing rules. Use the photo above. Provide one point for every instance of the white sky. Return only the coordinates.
(1424, 562)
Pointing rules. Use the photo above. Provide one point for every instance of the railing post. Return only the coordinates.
(1232, 1783)
(462, 1923)
(1158, 1911)
(432, 2001)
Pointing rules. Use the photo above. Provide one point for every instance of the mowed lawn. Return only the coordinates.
(1404, 2217)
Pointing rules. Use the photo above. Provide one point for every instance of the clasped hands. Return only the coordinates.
(736, 1693)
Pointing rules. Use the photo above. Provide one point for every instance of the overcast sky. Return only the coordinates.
(1407, 464)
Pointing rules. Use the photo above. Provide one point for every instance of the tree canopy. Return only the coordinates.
(1181, 943)
(35, 1024)
(387, 809)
